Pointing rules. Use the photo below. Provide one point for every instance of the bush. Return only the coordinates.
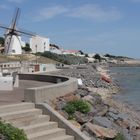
(11, 133)
(66, 59)
(77, 105)
(120, 137)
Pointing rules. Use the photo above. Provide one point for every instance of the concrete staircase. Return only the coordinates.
(37, 126)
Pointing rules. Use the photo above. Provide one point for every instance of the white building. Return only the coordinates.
(55, 49)
(39, 44)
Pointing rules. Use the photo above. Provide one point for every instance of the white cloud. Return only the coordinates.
(51, 12)
(135, 0)
(16, 1)
(4, 7)
(95, 13)
(88, 11)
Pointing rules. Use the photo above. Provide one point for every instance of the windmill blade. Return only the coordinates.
(15, 18)
(25, 32)
(9, 43)
(4, 27)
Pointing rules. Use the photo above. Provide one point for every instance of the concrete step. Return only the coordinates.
(47, 134)
(16, 107)
(66, 137)
(39, 127)
(10, 116)
(30, 120)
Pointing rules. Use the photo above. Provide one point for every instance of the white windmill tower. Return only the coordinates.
(12, 36)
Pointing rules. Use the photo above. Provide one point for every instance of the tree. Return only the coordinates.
(27, 48)
(86, 55)
(82, 53)
(98, 57)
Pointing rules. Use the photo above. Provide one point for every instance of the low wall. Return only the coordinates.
(62, 122)
(49, 92)
(43, 78)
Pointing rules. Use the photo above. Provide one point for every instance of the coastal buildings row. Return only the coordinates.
(37, 44)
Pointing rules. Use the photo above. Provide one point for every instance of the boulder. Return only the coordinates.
(88, 98)
(127, 135)
(113, 110)
(123, 116)
(70, 97)
(102, 111)
(100, 132)
(60, 105)
(103, 121)
(113, 116)
(82, 118)
(123, 124)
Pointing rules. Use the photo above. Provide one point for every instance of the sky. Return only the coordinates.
(93, 26)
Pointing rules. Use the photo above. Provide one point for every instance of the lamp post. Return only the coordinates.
(36, 53)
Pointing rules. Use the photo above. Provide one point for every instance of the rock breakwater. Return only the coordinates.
(106, 119)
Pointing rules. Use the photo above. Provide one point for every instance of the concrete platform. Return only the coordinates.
(17, 95)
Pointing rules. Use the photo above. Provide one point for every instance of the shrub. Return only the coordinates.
(120, 137)
(63, 58)
(11, 132)
(77, 105)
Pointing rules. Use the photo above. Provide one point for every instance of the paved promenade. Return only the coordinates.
(17, 95)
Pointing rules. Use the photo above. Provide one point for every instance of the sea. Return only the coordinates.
(128, 79)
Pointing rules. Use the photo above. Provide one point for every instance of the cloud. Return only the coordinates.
(51, 12)
(16, 1)
(95, 12)
(4, 7)
(135, 1)
(92, 12)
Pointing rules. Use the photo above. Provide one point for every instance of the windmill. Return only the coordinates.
(12, 36)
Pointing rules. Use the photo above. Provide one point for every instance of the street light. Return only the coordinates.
(36, 53)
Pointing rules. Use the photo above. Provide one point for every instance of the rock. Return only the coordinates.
(103, 111)
(111, 109)
(88, 98)
(123, 116)
(113, 116)
(96, 99)
(60, 105)
(134, 125)
(103, 121)
(127, 135)
(70, 97)
(137, 134)
(123, 124)
(100, 132)
(75, 123)
(82, 118)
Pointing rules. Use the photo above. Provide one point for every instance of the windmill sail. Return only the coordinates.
(12, 36)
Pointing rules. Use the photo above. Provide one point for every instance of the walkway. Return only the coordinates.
(17, 95)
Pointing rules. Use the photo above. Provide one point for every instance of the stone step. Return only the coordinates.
(16, 107)
(10, 116)
(66, 137)
(30, 120)
(39, 127)
(47, 134)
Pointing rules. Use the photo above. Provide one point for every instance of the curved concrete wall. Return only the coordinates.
(42, 94)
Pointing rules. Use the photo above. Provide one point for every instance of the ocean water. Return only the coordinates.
(128, 78)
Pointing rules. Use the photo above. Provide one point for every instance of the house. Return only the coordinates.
(39, 44)
(73, 52)
(55, 49)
